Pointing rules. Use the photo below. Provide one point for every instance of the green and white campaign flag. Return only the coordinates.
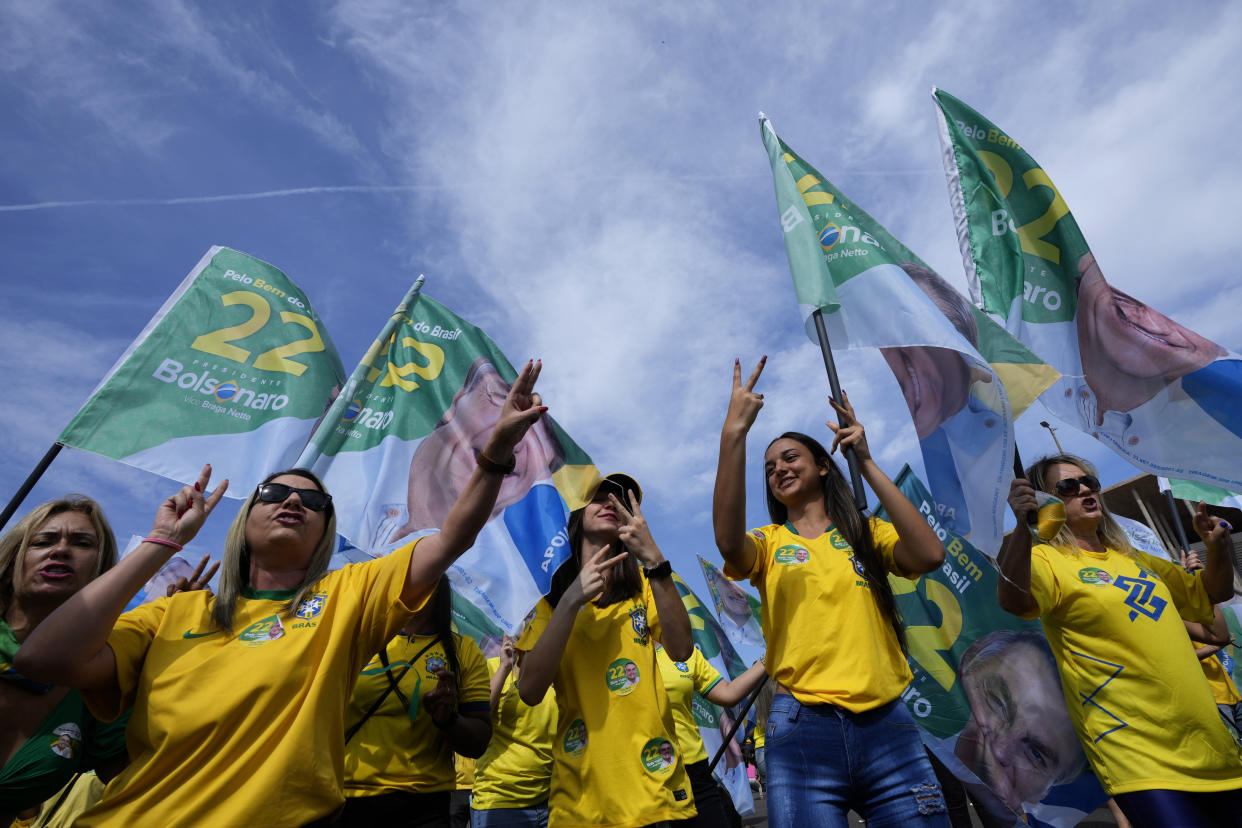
(875, 292)
(739, 612)
(1200, 492)
(399, 445)
(234, 370)
(1157, 393)
(714, 721)
(986, 692)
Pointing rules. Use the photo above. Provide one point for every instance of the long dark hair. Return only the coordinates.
(839, 503)
(442, 622)
(626, 581)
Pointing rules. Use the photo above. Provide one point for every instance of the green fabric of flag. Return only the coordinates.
(1157, 393)
(235, 369)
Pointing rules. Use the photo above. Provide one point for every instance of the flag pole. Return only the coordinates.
(30, 483)
(741, 717)
(1032, 518)
(851, 457)
(314, 447)
(1177, 522)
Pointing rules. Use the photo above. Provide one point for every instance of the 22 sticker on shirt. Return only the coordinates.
(574, 742)
(658, 756)
(262, 632)
(622, 677)
(792, 555)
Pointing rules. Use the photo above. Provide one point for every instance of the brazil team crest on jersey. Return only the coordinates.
(434, 663)
(792, 555)
(638, 620)
(1094, 575)
(658, 756)
(575, 741)
(311, 607)
(681, 666)
(262, 632)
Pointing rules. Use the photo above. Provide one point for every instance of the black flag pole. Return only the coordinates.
(741, 717)
(31, 480)
(1032, 518)
(851, 457)
(1177, 521)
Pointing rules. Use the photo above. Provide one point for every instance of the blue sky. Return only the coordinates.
(584, 181)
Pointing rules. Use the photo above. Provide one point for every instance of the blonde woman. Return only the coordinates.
(1141, 706)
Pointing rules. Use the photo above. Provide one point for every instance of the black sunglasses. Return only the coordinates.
(312, 499)
(1069, 485)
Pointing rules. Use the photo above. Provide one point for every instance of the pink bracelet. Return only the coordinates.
(162, 542)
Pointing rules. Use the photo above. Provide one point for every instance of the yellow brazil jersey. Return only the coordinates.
(243, 728)
(1139, 702)
(464, 770)
(616, 761)
(399, 748)
(682, 680)
(760, 733)
(516, 770)
(828, 641)
(1224, 691)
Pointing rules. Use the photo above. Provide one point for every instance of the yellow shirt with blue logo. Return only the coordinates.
(683, 680)
(616, 761)
(399, 748)
(516, 770)
(1137, 697)
(828, 641)
(1224, 691)
(243, 728)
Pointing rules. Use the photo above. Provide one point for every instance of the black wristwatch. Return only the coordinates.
(661, 570)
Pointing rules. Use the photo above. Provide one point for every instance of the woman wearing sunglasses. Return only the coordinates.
(593, 639)
(1113, 615)
(239, 699)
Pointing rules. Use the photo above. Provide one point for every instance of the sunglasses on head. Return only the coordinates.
(1069, 485)
(312, 499)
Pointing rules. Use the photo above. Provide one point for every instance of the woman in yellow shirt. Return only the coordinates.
(683, 680)
(514, 777)
(421, 700)
(239, 698)
(593, 639)
(1141, 706)
(839, 736)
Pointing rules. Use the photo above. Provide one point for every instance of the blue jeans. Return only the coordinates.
(823, 761)
(536, 816)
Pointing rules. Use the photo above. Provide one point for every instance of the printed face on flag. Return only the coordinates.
(936, 381)
(1019, 739)
(1131, 351)
(446, 458)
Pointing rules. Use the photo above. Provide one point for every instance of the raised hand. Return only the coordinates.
(1213, 531)
(197, 580)
(849, 431)
(1022, 498)
(634, 531)
(508, 652)
(522, 408)
(744, 403)
(179, 518)
(441, 701)
(593, 576)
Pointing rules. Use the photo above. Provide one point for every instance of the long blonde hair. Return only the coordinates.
(1108, 531)
(235, 567)
(16, 541)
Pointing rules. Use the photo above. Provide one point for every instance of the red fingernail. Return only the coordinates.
(197, 487)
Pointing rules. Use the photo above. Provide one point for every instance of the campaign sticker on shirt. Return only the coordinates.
(838, 540)
(1094, 575)
(575, 741)
(261, 632)
(792, 555)
(66, 740)
(658, 756)
(622, 676)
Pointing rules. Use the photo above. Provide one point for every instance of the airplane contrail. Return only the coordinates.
(149, 202)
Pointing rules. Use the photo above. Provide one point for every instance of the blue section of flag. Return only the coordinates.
(536, 523)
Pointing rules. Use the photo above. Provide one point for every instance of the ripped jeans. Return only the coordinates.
(823, 761)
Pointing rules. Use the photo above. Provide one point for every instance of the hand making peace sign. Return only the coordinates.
(633, 529)
(744, 403)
